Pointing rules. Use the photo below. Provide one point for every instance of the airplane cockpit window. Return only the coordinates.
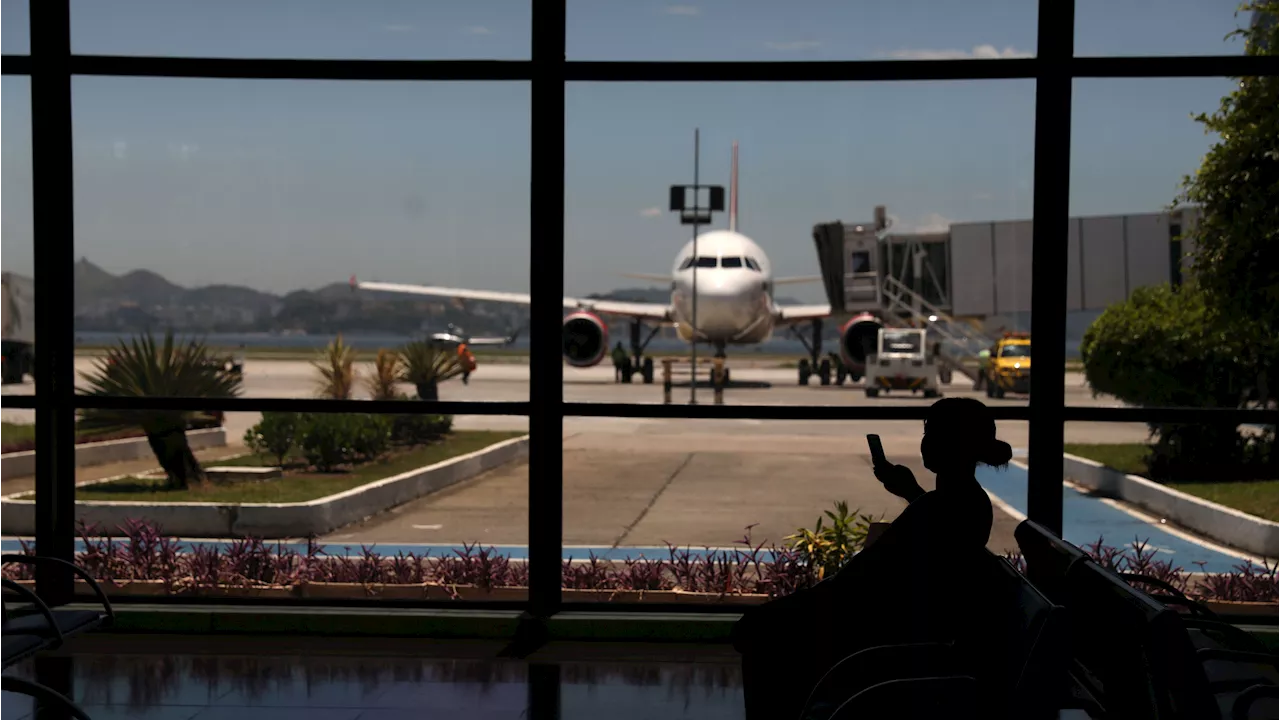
(688, 263)
(731, 262)
(706, 262)
(751, 263)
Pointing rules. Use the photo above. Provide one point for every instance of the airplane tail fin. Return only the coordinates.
(733, 190)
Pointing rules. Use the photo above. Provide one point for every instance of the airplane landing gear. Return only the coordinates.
(812, 365)
(639, 362)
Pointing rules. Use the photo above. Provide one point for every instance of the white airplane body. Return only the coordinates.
(735, 303)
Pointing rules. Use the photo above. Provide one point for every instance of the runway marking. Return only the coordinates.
(427, 527)
(1006, 507)
(1165, 526)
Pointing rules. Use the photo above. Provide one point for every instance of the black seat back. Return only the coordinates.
(1029, 634)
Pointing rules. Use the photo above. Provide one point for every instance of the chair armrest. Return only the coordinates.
(892, 697)
(870, 666)
(1252, 694)
(40, 605)
(1154, 582)
(84, 575)
(42, 692)
(1243, 640)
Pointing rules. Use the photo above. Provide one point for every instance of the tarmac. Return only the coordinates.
(639, 483)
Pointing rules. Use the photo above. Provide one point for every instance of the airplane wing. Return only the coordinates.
(648, 311)
(798, 313)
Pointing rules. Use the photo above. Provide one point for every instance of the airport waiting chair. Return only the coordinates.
(1013, 665)
(18, 647)
(1135, 654)
(68, 622)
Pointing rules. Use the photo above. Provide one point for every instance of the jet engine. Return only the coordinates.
(857, 341)
(584, 338)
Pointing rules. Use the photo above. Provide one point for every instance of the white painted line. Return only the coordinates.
(427, 527)
(1006, 507)
(1160, 523)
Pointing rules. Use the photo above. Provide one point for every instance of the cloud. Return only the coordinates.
(651, 212)
(398, 28)
(478, 30)
(120, 149)
(686, 10)
(793, 45)
(979, 52)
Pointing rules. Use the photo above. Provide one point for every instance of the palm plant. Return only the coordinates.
(426, 365)
(337, 366)
(386, 373)
(142, 369)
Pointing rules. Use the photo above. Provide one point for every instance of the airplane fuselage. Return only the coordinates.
(734, 290)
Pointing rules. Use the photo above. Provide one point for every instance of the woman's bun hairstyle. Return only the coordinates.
(997, 454)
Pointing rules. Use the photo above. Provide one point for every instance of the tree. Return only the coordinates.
(337, 371)
(386, 373)
(426, 365)
(141, 369)
(1234, 259)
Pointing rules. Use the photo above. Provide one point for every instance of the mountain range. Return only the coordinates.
(142, 300)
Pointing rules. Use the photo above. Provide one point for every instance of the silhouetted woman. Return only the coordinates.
(916, 583)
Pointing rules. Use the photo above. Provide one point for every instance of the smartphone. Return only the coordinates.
(877, 450)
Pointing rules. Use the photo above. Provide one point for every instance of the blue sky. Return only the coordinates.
(287, 184)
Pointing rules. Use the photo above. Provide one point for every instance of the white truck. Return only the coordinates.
(902, 362)
(18, 337)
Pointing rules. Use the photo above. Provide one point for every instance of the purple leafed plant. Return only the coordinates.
(141, 551)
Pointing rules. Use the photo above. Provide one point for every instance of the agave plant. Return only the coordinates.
(426, 365)
(337, 366)
(143, 369)
(386, 373)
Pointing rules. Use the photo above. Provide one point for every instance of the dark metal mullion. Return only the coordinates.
(546, 288)
(1055, 43)
(52, 205)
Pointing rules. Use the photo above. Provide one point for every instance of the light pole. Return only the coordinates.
(695, 216)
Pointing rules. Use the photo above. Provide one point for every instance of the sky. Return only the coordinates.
(281, 185)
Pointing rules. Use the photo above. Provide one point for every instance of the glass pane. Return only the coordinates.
(952, 257)
(291, 476)
(688, 496)
(387, 29)
(1180, 27)
(1142, 491)
(807, 30)
(16, 239)
(238, 211)
(15, 38)
(1172, 283)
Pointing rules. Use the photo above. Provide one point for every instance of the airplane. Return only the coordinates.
(735, 305)
(455, 336)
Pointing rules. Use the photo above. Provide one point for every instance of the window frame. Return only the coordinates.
(51, 65)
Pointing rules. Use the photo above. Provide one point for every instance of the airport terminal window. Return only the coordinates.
(535, 516)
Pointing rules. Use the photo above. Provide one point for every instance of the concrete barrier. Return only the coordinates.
(22, 464)
(278, 520)
(1226, 525)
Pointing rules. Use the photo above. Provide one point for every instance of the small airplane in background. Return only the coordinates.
(455, 335)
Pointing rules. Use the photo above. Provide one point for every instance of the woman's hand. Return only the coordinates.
(899, 480)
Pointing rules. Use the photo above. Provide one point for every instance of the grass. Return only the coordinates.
(298, 487)
(1257, 497)
(12, 433)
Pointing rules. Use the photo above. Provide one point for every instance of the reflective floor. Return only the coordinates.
(233, 678)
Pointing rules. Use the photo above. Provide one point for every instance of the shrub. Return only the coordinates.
(275, 435)
(826, 549)
(420, 429)
(328, 441)
(1161, 348)
(386, 373)
(336, 366)
(370, 435)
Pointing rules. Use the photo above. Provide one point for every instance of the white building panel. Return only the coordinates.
(1147, 248)
(972, 266)
(1075, 301)
(1012, 241)
(1103, 261)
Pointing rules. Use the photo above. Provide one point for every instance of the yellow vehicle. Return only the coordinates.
(1009, 369)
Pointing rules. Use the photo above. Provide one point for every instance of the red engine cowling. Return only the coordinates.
(584, 339)
(858, 340)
